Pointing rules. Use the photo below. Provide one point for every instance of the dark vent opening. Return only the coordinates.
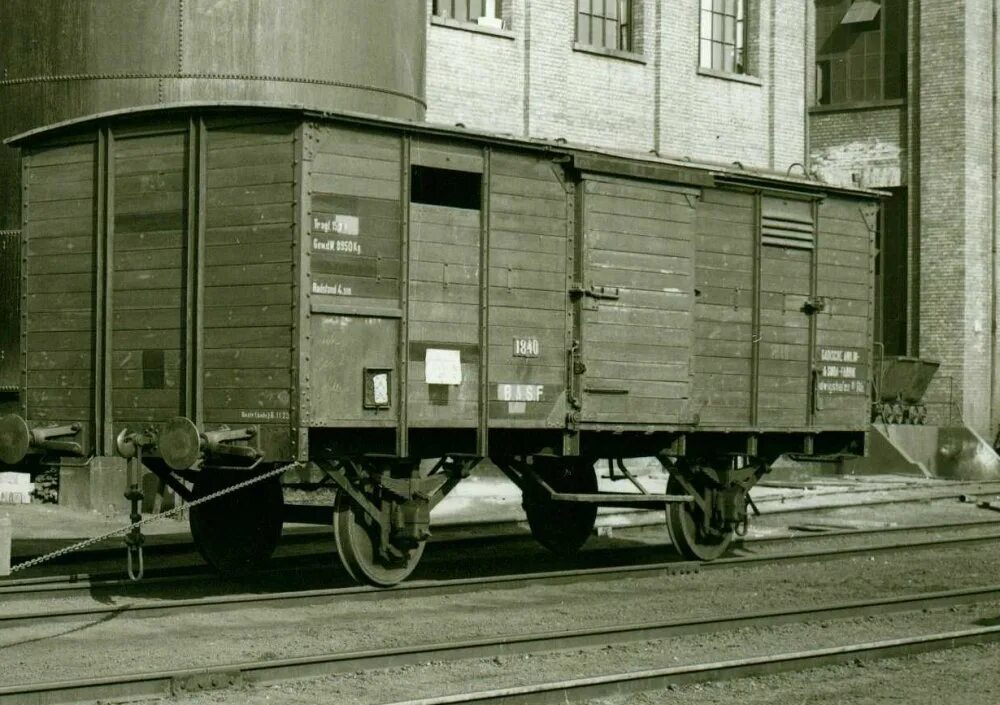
(445, 187)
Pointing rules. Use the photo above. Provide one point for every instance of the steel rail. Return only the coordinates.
(427, 588)
(83, 582)
(561, 692)
(180, 681)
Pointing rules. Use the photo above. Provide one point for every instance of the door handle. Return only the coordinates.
(609, 293)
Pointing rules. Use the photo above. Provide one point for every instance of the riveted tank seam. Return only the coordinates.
(62, 78)
(181, 10)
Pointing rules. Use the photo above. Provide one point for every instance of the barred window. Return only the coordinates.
(723, 35)
(467, 10)
(604, 23)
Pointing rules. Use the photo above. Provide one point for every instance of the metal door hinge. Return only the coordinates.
(576, 359)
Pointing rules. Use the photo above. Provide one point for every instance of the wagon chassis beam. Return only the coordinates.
(523, 474)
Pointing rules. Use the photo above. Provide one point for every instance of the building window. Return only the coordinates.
(860, 51)
(467, 10)
(604, 23)
(723, 35)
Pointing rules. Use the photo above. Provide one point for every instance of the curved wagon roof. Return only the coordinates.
(649, 165)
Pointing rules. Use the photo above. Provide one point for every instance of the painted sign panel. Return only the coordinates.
(518, 397)
(355, 247)
(842, 371)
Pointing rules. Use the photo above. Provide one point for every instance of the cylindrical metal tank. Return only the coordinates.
(62, 59)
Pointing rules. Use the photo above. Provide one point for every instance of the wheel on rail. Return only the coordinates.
(563, 527)
(239, 531)
(684, 522)
(357, 546)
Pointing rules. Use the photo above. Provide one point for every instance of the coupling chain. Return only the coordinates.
(150, 519)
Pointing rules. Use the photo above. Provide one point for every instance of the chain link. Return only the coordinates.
(150, 519)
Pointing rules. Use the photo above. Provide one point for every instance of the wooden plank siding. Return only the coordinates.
(638, 241)
(247, 273)
(527, 287)
(150, 225)
(724, 280)
(60, 213)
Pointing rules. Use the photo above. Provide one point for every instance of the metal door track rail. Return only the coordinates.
(221, 676)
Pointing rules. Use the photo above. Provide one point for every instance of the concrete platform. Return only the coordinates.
(951, 452)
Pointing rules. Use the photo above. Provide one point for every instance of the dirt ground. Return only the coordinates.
(829, 685)
(123, 644)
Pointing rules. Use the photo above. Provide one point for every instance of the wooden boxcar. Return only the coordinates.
(244, 292)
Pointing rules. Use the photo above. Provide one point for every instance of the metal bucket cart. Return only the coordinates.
(900, 388)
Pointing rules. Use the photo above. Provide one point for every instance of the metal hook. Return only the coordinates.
(135, 577)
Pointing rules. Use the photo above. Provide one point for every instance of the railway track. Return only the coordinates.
(424, 588)
(319, 563)
(516, 528)
(174, 682)
(559, 692)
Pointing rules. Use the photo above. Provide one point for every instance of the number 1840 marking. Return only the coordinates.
(526, 347)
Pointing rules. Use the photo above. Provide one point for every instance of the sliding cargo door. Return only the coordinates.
(634, 301)
(785, 335)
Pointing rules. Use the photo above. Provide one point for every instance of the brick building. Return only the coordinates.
(712, 80)
(906, 101)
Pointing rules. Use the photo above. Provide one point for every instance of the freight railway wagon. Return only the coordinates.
(227, 292)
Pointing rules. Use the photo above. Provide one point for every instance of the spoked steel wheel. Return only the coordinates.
(563, 527)
(237, 531)
(357, 546)
(686, 532)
